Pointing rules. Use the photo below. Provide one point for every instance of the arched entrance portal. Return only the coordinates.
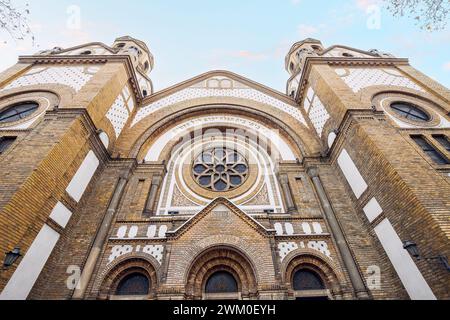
(221, 273)
(221, 285)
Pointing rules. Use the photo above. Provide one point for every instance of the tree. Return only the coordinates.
(15, 21)
(429, 14)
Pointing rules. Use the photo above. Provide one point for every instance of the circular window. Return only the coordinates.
(18, 111)
(220, 169)
(410, 111)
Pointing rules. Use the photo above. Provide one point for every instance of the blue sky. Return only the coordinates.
(249, 37)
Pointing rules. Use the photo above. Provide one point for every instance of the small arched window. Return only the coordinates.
(134, 284)
(221, 282)
(307, 280)
(18, 111)
(120, 45)
(86, 53)
(410, 111)
(291, 66)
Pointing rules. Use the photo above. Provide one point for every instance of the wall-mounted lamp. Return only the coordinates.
(412, 249)
(11, 257)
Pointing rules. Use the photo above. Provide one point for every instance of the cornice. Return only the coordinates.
(92, 59)
(341, 61)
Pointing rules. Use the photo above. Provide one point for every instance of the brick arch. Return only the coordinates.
(125, 266)
(309, 260)
(368, 94)
(64, 93)
(300, 138)
(221, 258)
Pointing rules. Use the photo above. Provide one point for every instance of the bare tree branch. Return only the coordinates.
(429, 14)
(15, 21)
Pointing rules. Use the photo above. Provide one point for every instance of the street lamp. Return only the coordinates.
(412, 249)
(11, 257)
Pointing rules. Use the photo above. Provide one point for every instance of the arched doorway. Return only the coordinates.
(221, 285)
(133, 284)
(221, 273)
(130, 279)
(310, 277)
(308, 285)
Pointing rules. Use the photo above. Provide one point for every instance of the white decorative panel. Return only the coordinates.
(306, 228)
(289, 229)
(331, 138)
(200, 92)
(60, 214)
(118, 251)
(118, 115)
(162, 231)
(122, 232)
(83, 176)
(316, 111)
(352, 174)
(320, 246)
(285, 248)
(372, 209)
(409, 274)
(121, 110)
(29, 269)
(155, 251)
(74, 77)
(318, 115)
(151, 231)
(133, 232)
(104, 139)
(360, 78)
(317, 228)
(278, 228)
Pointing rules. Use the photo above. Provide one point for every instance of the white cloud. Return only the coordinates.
(366, 4)
(253, 56)
(447, 66)
(306, 31)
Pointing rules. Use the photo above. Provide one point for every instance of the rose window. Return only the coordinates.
(220, 169)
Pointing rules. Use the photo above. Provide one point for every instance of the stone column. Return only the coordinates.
(151, 198)
(338, 235)
(100, 239)
(284, 181)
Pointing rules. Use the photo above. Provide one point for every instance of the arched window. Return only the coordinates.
(409, 111)
(307, 280)
(221, 282)
(86, 53)
(348, 55)
(18, 111)
(309, 286)
(134, 284)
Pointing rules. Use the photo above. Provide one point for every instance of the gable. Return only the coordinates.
(219, 84)
(221, 217)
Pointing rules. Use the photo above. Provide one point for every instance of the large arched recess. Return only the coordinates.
(139, 130)
(299, 137)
